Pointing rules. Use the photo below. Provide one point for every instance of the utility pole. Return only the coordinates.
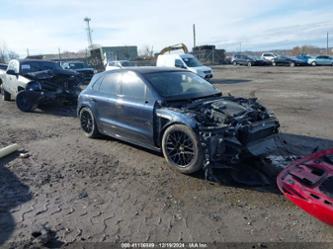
(328, 50)
(194, 37)
(87, 20)
(28, 52)
(59, 54)
(240, 47)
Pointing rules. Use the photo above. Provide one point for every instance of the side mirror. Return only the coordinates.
(11, 72)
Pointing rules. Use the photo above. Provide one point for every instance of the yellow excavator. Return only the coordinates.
(175, 47)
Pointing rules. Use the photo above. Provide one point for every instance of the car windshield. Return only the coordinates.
(180, 85)
(76, 65)
(191, 61)
(127, 64)
(35, 66)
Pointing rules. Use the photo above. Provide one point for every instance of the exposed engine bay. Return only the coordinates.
(232, 129)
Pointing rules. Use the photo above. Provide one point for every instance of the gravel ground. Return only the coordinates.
(106, 190)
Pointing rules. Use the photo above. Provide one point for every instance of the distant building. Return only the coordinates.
(208, 54)
(101, 55)
(81, 55)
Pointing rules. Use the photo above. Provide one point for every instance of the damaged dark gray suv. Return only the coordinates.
(178, 113)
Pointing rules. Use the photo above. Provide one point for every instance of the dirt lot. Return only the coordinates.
(106, 190)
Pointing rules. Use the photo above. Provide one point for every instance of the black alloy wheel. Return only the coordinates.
(88, 124)
(182, 149)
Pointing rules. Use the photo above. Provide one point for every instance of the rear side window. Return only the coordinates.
(96, 81)
(111, 83)
(133, 87)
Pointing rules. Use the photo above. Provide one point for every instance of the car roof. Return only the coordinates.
(118, 61)
(149, 69)
(34, 60)
(73, 61)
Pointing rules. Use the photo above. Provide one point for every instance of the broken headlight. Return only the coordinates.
(34, 86)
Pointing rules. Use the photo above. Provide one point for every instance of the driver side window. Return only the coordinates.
(179, 63)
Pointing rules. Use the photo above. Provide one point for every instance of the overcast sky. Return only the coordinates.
(44, 26)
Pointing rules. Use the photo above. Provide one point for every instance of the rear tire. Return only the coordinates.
(273, 64)
(88, 123)
(314, 63)
(292, 64)
(249, 64)
(24, 102)
(234, 63)
(182, 149)
(6, 95)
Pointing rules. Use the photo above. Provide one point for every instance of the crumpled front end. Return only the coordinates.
(232, 129)
(56, 86)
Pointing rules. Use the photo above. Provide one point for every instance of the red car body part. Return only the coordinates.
(308, 183)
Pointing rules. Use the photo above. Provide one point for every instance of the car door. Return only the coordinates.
(7, 78)
(326, 60)
(243, 60)
(13, 80)
(136, 109)
(104, 101)
(321, 60)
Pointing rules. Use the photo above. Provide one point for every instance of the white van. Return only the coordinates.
(187, 61)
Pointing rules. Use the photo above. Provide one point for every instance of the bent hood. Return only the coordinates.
(49, 74)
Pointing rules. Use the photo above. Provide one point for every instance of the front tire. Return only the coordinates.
(249, 64)
(88, 123)
(6, 95)
(25, 102)
(182, 149)
(314, 63)
(292, 64)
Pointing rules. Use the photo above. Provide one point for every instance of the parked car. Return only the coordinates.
(3, 68)
(185, 61)
(114, 65)
(304, 57)
(178, 113)
(288, 61)
(34, 82)
(269, 56)
(81, 67)
(321, 60)
(248, 61)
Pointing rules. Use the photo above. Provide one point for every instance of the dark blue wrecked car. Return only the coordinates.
(178, 113)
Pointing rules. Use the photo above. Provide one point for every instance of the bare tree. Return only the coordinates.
(3, 52)
(147, 51)
(7, 54)
(306, 49)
